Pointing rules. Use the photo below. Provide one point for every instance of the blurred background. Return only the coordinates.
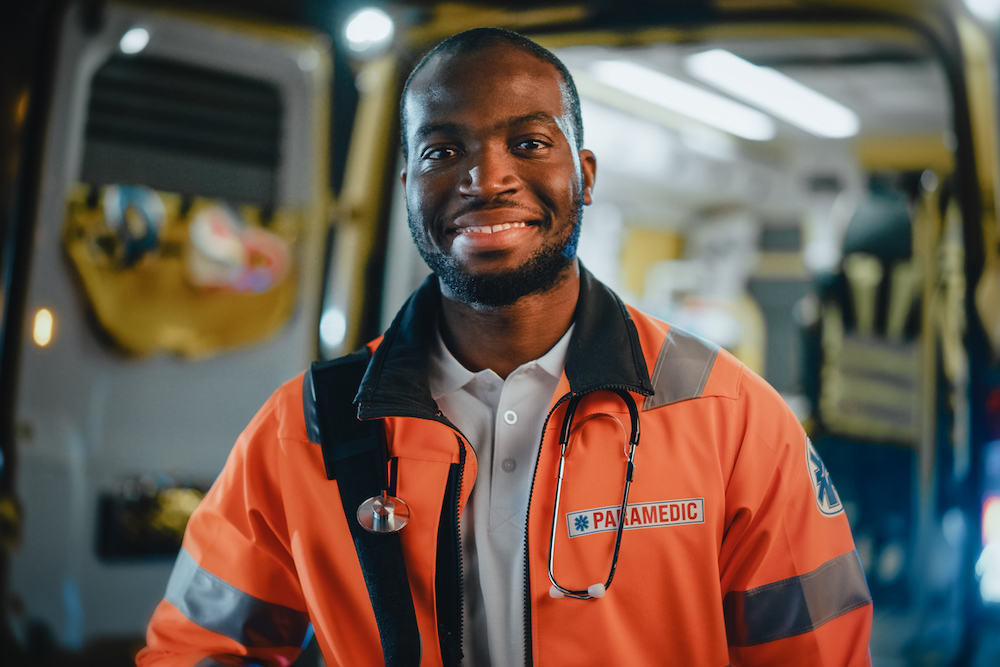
(197, 199)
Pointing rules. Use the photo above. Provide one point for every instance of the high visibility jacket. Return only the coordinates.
(736, 549)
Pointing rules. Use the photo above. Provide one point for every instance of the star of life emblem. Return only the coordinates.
(827, 498)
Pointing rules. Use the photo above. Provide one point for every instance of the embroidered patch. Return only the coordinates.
(642, 515)
(827, 499)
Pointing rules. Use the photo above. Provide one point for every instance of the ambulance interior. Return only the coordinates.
(815, 243)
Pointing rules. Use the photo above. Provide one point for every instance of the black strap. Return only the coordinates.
(352, 454)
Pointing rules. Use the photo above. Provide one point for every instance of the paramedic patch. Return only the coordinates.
(827, 499)
(642, 515)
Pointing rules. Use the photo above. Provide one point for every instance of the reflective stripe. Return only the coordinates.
(682, 369)
(216, 605)
(794, 606)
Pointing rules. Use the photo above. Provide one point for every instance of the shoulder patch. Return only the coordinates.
(827, 498)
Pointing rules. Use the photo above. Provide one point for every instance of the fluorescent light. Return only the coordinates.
(134, 41)
(368, 29)
(988, 10)
(769, 89)
(684, 98)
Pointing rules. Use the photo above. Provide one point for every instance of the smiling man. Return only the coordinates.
(523, 470)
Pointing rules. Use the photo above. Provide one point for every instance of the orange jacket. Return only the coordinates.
(736, 551)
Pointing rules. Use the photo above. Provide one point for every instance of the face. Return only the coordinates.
(494, 183)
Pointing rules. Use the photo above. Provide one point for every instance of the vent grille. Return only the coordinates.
(183, 128)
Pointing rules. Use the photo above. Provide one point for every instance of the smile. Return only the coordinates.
(491, 229)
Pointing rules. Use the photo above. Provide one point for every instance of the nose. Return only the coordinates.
(491, 173)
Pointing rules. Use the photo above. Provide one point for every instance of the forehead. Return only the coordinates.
(497, 81)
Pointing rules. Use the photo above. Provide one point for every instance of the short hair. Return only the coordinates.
(480, 39)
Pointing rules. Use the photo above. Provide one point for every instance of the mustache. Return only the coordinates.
(497, 204)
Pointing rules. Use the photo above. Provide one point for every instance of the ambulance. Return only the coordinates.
(197, 200)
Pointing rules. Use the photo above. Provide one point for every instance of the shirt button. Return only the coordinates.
(510, 417)
(508, 465)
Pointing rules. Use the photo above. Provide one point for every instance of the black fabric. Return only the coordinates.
(352, 455)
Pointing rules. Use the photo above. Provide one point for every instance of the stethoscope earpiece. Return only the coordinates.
(383, 514)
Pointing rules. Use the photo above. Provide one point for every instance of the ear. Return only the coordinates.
(588, 165)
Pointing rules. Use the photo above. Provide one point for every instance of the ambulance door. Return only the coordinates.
(175, 281)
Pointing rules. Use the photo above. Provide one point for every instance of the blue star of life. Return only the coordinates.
(827, 498)
(581, 523)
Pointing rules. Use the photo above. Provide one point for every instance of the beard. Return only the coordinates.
(539, 273)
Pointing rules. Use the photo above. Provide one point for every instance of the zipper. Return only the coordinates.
(458, 547)
(527, 514)
(450, 570)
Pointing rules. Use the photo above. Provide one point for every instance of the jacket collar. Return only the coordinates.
(604, 351)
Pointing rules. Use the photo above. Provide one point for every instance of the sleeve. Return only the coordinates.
(794, 591)
(233, 597)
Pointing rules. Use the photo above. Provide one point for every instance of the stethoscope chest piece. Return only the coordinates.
(383, 514)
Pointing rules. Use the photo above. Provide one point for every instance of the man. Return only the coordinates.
(734, 549)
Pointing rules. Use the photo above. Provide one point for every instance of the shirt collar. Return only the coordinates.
(446, 374)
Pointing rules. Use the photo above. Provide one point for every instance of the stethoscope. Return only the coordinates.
(386, 513)
(596, 590)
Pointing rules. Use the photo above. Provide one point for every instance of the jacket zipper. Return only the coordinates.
(458, 546)
(531, 493)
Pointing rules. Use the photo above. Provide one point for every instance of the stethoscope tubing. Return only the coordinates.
(585, 594)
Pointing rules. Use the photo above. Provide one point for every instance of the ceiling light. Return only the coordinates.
(684, 98)
(772, 91)
(988, 10)
(134, 41)
(368, 29)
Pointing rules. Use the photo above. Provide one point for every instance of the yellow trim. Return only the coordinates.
(450, 18)
(904, 153)
(761, 31)
(365, 199)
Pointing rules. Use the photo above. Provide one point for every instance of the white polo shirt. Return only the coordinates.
(502, 420)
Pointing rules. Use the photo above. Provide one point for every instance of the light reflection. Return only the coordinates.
(44, 325)
(332, 328)
(134, 41)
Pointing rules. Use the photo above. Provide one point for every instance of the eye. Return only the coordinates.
(531, 145)
(439, 153)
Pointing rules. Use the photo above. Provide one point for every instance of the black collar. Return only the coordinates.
(603, 352)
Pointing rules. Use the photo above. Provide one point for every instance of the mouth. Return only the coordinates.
(486, 221)
(490, 229)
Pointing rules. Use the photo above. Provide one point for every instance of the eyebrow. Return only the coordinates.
(425, 131)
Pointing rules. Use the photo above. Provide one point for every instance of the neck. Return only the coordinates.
(502, 339)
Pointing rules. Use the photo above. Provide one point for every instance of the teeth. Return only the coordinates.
(492, 229)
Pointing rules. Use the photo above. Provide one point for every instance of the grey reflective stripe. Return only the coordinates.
(309, 408)
(682, 369)
(794, 606)
(216, 605)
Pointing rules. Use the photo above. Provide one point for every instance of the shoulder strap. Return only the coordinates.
(352, 454)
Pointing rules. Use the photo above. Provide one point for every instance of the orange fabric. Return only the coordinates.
(273, 527)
